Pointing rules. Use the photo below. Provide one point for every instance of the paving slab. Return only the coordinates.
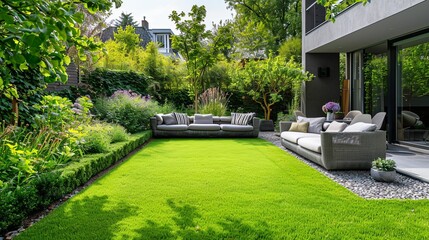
(410, 161)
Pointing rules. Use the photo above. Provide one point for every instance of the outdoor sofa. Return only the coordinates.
(238, 125)
(340, 147)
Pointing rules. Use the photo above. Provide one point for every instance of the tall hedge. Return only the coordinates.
(103, 82)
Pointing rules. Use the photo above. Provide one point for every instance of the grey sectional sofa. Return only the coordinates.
(219, 127)
(337, 150)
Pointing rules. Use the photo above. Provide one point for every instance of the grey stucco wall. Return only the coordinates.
(361, 17)
(321, 89)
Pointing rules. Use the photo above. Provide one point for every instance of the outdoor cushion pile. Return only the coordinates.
(205, 125)
(341, 146)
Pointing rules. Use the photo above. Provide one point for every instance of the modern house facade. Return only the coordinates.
(378, 54)
(161, 36)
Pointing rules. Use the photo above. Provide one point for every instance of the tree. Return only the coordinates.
(125, 20)
(127, 38)
(199, 47)
(280, 19)
(91, 27)
(291, 48)
(36, 34)
(333, 7)
(265, 80)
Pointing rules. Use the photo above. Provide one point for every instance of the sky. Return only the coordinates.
(157, 12)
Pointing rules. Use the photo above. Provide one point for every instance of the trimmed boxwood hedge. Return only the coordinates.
(17, 205)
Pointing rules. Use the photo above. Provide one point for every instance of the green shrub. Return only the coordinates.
(383, 164)
(54, 112)
(117, 133)
(128, 109)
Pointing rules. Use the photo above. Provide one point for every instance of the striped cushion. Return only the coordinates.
(182, 118)
(241, 118)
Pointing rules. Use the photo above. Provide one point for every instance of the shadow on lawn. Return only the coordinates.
(88, 218)
(186, 227)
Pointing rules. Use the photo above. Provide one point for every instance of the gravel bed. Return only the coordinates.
(361, 183)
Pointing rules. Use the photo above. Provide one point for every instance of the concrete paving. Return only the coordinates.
(413, 162)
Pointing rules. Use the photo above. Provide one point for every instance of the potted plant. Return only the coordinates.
(383, 170)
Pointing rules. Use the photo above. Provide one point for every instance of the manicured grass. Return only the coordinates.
(225, 189)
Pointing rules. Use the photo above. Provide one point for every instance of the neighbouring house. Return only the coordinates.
(160, 36)
(385, 63)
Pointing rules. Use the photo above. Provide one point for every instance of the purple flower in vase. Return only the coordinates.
(332, 107)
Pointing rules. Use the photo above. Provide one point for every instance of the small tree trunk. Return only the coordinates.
(196, 101)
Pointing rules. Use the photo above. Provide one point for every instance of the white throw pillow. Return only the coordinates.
(315, 123)
(336, 127)
(361, 127)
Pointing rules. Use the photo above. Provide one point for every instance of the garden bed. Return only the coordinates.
(50, 187)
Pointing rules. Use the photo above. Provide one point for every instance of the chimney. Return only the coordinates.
(145, 24)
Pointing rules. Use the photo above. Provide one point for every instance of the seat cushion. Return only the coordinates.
(294, 136)
(315, 123)
(176, 127)
(203, 119)
(204, 127)
(236, 128)
(311, 143)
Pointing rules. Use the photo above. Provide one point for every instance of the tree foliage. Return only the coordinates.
(265, 80)
(273, 20)
(127, 38)
(333, 7)
(37, 33)
(126, 19)
(291, 48)
(199, 47)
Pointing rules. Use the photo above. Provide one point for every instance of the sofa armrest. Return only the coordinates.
(285, 126)
(352, 149)
(153, 123)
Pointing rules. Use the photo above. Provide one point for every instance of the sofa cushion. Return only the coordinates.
(181, 118)
(361, 127)
(225, 119)
(236, 128)
(241, 118)
(175, 127)
(315, 123)
(204, 127)
(299, 127)
(203, 119)
(336, 127)
(159, 118)
(169, 119)
(311, 143)
(294, 136)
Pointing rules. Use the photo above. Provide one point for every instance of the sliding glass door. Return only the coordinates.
(412, 79)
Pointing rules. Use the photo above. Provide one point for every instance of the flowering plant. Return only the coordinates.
(331, 107)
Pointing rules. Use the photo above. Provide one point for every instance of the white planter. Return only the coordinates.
(383, 176)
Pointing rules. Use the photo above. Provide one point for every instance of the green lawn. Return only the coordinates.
(225, 189)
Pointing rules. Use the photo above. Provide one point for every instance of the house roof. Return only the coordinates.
(144, 34)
